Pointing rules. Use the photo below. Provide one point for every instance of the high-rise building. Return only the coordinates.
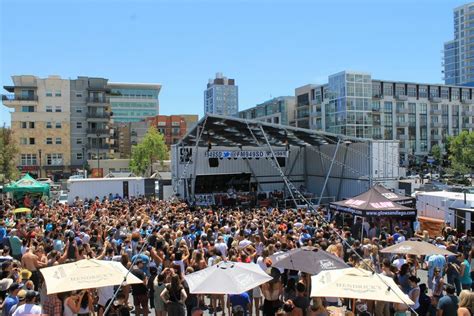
(133, 102)
(459, 52)
(221, 96)
(41, 123)
(418, 115)
(279, 110)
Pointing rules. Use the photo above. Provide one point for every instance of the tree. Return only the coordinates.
(152, 148)
(436, 152)
(461, 149)
(8, 151)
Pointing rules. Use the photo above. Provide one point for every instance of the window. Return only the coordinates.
(387, 89)
(411, 91)
(78, 124)
(423, 108)
(49, 108)
(423, 91)
(49, 125)
(387, 106)
(79, 156)
(32, 125)
(78, 141)
(78, 110)
(49, 93)
(58, 141)
(58, 125)
(57, 93)
(24, 124)
(161, 124)
(28, 160)
(23, 141)
(49, 141)
(27, 108)
(59, 108)
(54, 159)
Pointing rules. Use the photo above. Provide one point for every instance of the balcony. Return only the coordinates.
(436, 137)
(436, 124)
(100, 131)
(467, 101)
(469, 125)
(435, 112)
(435, 99)
(402, 137)
(402, 111)
(402, 124)
(401, 97)
(12, 99)
(377, 96)
(99, 101)
(98, 116)
(94, 146)
(468, 113)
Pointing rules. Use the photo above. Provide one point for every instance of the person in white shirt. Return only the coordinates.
(30, 307)
(221, 246)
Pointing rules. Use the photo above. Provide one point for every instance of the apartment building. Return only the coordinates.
(91, 120)
(279, 110)
(173, 127)
(221, 96)
(59, 124)
(418, 115)
(41, 123)
(458, 64)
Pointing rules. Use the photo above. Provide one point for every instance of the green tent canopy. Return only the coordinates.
(27, 185)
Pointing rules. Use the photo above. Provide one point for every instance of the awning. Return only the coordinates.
(27, 185)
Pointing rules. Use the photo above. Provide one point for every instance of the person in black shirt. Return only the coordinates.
(301, 300)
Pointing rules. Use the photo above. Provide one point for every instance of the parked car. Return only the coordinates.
(45, 180)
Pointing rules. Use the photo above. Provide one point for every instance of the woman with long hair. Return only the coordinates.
(466, 303)
(174, 296)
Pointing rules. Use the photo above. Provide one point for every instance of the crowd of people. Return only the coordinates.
(162, 241)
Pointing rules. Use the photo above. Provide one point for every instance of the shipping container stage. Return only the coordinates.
(231, 161)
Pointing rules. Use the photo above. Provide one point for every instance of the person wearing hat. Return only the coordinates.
(12, 298)
(25, 275)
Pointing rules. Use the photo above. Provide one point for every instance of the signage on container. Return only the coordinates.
(246, 154)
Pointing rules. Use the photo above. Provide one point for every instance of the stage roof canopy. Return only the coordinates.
(233, 132)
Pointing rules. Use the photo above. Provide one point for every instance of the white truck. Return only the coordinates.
(100, 187)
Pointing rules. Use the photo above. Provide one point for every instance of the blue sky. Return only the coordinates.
(269, 47)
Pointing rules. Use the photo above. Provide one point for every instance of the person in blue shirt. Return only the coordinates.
(145, 259)
(12, 298)
(242, 300)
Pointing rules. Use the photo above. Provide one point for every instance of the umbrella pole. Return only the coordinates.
(354, 305)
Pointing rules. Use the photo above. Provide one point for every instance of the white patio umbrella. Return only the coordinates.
(226, 278)
(357, 284)
(85, 274)
(419, 248)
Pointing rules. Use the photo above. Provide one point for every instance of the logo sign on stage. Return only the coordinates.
(246, 154)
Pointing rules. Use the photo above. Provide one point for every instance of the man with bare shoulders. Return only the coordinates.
(32, 262)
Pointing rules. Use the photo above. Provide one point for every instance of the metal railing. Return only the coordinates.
(97, 100)
(98, 115)
(98, 131)
(14, 97)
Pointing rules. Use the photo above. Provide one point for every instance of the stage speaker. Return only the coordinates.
(281, 161)
(213, 162)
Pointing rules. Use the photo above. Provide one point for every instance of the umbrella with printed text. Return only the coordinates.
(415, 247)
(86, 274)
(357, 284)
(310, 260)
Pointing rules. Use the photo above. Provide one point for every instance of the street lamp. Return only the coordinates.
(39, 170)
(98, 160)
